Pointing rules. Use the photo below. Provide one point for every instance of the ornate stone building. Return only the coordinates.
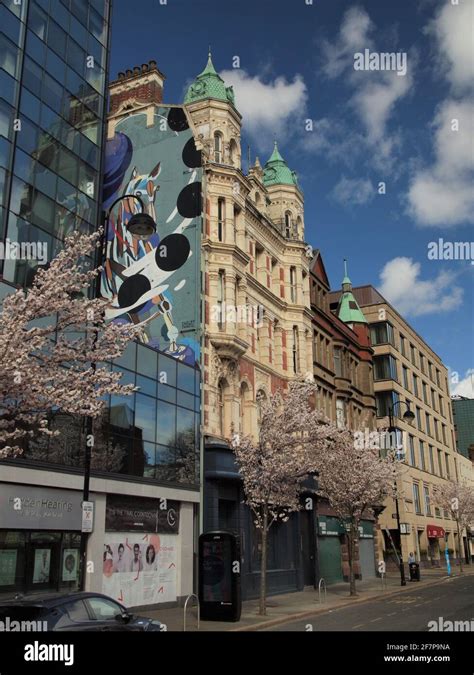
(257, 318)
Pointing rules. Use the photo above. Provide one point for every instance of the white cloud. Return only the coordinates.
(412, 296)
(464, 387)
(353, 191)
(269, 108)
(443, 195)
(452, 29)
(375, 93)
(353, 36)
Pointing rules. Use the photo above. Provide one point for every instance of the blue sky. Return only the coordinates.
(367, 128)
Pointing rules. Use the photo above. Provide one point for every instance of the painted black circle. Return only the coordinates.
(177, 120)
(192, 156)
(132, 290)
(177, 252)
(189, 201)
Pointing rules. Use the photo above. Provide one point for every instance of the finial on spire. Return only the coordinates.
(345, 267)
(209, 52)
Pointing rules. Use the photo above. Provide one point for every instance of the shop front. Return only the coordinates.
(39, 539)
(141, 546)
(434, 534)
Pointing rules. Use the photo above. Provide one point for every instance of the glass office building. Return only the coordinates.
(53, 93)
(53, 60)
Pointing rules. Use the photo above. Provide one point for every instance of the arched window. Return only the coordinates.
(261, 397)
(293, 284)
(299, 228)
(288, 224)
(218, 147)
(221, 406)
(295, 349)
(258, 199)
(233, 152)
(245, 409)
(220, 218)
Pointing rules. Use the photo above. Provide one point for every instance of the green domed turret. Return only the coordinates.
(277, 172)
(209, 84)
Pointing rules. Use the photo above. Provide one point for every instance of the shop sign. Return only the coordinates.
(39, 508)
(435, 532)
(132, 514)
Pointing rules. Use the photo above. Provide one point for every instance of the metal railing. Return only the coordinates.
(192, 595)
(322, 584)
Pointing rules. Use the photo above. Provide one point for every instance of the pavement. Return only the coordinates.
(291, 607)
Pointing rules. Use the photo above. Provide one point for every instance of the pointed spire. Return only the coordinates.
(276, 157)
(257, 163)
(348, 309)
(209, 69)
(346, 281)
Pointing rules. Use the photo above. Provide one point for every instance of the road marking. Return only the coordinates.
(391, 614)
(358, 625)
(374, 620)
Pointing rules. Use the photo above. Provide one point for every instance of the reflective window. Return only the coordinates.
(35, 48)
(52, 93)
(6, 119)
(8, 87)
(56, 38)
(166, 424)
(30, 106)
(185, 378)
(5, 148)
(56, 67)
(32, 75)
(9, 56)
(145, 416)
(10, 24)
(38, 21)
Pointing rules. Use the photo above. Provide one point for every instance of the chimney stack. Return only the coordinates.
(141, 85)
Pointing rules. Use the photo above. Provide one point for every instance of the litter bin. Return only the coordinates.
(414, 571)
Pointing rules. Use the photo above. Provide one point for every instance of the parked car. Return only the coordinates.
(76, 612)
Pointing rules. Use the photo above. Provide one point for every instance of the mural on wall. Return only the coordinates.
(154, 281)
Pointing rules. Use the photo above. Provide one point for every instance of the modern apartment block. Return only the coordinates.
(408, 373)
(53, 62)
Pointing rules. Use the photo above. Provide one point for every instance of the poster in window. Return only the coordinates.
(7, 566)
(42, 566)
(70, 564)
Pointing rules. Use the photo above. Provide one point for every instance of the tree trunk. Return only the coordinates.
(351, 552)
(263, 565)
(460, 546)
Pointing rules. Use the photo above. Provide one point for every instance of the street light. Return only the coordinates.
(408, 416)
(140, 226)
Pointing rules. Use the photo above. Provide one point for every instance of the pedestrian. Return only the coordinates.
(411, 558)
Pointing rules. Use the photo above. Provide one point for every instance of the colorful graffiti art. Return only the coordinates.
(153, 282)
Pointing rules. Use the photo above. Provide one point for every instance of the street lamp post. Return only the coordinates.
(408, 417)
(142, 226)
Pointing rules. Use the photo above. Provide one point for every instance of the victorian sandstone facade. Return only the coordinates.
(256, 303)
